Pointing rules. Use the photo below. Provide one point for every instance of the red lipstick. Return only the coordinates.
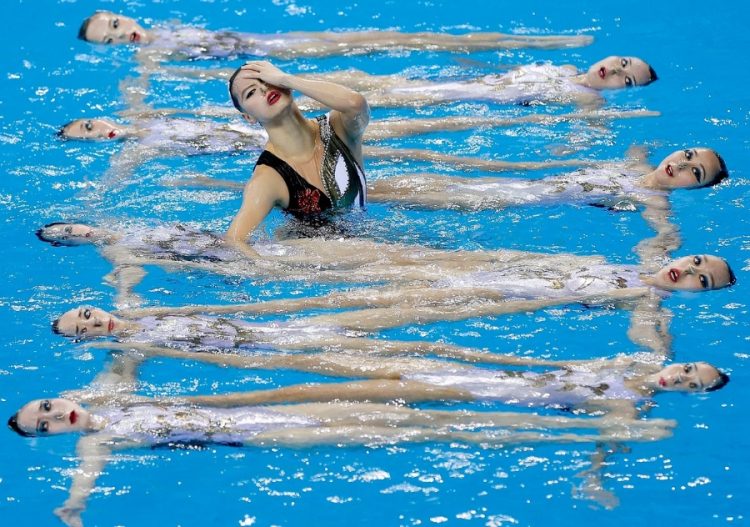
(135, 37)
(110, 326)
(602, 72)
(662, 382)
(73, 417)
(112, 134)
(273, 97)
(668, 170)
(674, 275)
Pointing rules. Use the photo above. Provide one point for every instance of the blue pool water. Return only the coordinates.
(699, 475)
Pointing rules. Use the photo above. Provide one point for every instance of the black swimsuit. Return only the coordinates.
(343, 179)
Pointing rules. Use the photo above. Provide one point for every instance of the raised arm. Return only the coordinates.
(350, 114)
(489, 165)
(401, 315)
(386, 129)
(360, 42)
(93, 455)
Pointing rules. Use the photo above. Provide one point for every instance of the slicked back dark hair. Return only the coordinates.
(61, 132)
(720, 382)
(732, 276)
(85, 26)
(13, 425)
(235, 100)
(723, 172)
(53, 242)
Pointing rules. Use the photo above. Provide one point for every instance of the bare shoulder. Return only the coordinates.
(268, 183)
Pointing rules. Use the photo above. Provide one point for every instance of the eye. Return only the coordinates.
(88, 126)
(108, 40)
(86, 313)
(687, 368)
(688, 155)
(250, 93)
(83, 331)
(116, 23)
(46, 405)
(68, 230)
(704, 281)
(628, 82)
(43, 427)
(624, 62)
(697, 260)
(697, 174)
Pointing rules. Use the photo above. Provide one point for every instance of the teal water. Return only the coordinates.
(49, 78)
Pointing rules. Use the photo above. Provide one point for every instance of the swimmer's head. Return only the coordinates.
(105, 27)
(68, 234)
(688, 169)
(92, 129)
(256, 99)
(88, 322)
(618, 72)
(694, 273)
(50, 416)
(687, 377)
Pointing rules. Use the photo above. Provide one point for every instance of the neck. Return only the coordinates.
(126, 327)
(580, 79)
(649, 181)
(109, 237)
(96, 423)
(290, 134)
(641, 384)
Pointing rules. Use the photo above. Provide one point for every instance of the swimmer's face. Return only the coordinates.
(691, 168)
(259, 100)
(110, 28)
(693, 273)
(68, 234)
(614, 73)
(85, 322)
(687, 377)
(53, 416)
(92, 129)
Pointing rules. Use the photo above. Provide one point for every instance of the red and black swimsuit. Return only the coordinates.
(342, 177)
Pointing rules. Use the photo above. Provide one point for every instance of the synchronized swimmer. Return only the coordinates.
(313, 169)
(531, 84)
(189, 43)
(608, 185)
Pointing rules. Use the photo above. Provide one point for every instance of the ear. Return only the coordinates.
(249, 119)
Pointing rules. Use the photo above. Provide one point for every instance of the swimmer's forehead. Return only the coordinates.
(98, 25)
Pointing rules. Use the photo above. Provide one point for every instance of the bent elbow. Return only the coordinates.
(358, 105)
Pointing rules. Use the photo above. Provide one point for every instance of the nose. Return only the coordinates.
(97, 323)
